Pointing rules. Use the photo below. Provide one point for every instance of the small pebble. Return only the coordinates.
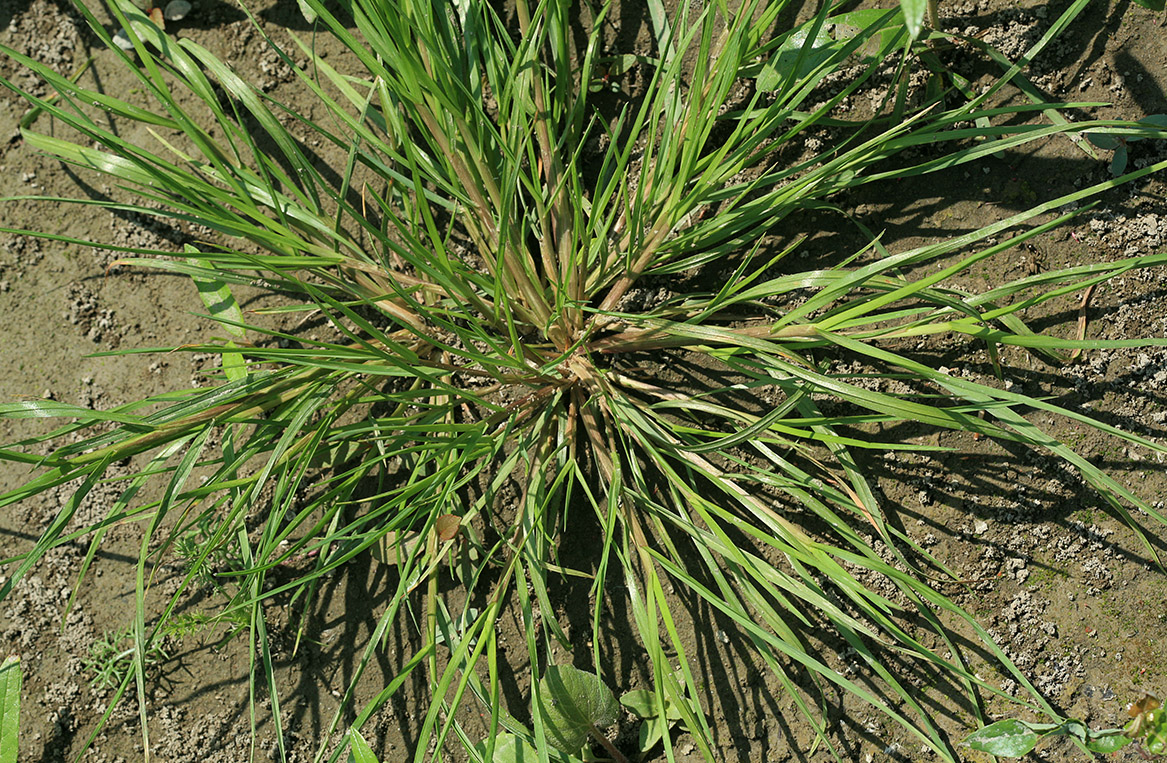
(122, 40)
(176, 10)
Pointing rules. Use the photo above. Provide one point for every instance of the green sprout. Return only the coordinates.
(1119, 142)
(111, 658)
(1013, 738)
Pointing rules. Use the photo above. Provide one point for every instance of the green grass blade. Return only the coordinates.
(10, 680)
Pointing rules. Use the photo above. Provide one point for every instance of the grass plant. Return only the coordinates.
(477, 254)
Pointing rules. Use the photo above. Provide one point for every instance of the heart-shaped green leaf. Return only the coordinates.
(571, 702)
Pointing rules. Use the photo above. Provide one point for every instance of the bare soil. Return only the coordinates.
(1066, 589)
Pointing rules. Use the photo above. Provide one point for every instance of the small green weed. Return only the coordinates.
(206, 553)
(573, 707)
(1015, 738)
(111, 658)
(1120, 143)
(658, 715)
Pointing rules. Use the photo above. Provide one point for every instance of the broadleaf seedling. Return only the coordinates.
(1013, 738)
(573, 704)
(645, 705)
(1149, 724)
(1119, 143)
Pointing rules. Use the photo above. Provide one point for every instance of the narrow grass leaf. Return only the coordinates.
(359, 751)
(10, 680)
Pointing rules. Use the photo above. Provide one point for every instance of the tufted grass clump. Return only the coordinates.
(495, 383)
